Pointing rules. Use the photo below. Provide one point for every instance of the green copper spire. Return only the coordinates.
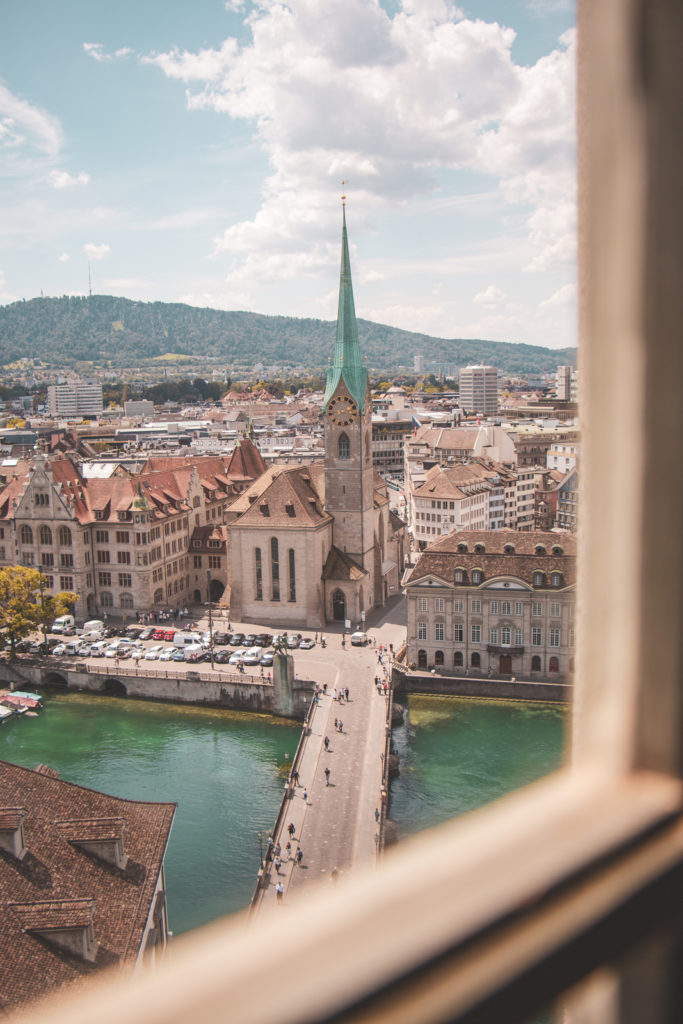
(347, 362)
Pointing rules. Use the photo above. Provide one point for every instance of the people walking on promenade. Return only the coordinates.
(305, 796)
(291, 829)
(346, 694)
(327, 776)
(280, 890)
(295, 777)
(299, 855)
(327, 743)
(341, 726)
(278, 864)
(376, 813)
(335, 723)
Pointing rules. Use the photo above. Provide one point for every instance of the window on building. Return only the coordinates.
(45, 536)
(123, 557)
(40, 498)
(158, 595)
(101, 536)
(459, 576)
(66, 561)
(47, 559)
(493, 635)
(506, 608)
(555, 609)
(439, 632)
(102, 556)
(123, 537)
(477, 576)
(65, 537)
(457, 659)
(556, 579)
(458, 605)
(106, 600)
(258, 574)
(292, 575)
(506, 636)
(275, 568)
(66, 582)
(554, 637)
(214, 561)
(570, 638)
(475, 660)
(27, 558)
(476, 606)
(519, 639)
(539, 579)
(536, 663)
(422, 631)
(344, 447)
(26, 534)
(476, 633)
(519, 608)
(493, 607)
(197, 561)
(458, 632)
(536, 609)
(126, 600)
(536, 636)
(422, 604)
(104, 579)
(554, 664)
(125, 579)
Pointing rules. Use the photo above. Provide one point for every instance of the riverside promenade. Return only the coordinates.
(335, 825)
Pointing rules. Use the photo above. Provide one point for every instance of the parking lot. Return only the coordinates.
(193, 644)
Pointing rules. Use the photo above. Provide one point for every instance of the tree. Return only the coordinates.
(24, 604)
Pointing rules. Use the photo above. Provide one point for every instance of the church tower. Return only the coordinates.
(347, 412)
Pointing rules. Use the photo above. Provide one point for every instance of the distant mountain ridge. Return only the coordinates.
(107, 330)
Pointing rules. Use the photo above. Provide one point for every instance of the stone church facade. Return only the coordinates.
(315, 544)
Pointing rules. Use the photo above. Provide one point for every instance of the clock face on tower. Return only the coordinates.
(342, 411)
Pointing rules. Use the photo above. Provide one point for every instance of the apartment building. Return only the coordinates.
(494, 603)
(75, 399)
(479, 390)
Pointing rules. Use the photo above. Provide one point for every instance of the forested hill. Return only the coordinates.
(106, 330)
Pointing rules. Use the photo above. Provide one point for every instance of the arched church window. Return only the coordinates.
(258, 573)
(46, 536)
(344, 447)
(275, 568)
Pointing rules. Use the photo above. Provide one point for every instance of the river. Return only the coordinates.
(225, 770)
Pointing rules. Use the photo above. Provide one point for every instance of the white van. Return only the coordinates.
(185, 639)
(72, 646)
(62, 623)
(94, 626)
(90, 635)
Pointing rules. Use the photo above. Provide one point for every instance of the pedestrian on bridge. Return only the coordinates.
(291, 829)
(280, 891)
(341, 726)
(327, 743)
(299, 855)
(346, 694)
(327, 776)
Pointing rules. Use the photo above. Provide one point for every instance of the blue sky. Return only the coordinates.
(194, 153)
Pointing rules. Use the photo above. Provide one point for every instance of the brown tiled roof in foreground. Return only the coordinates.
(55, 883)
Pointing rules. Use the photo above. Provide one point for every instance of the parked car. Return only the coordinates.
(111, 652)
(267, 658)
(152, 653)
(293, 641)
(236, 640)
(38, 647)
(250, 640)
(84, 651)
(220, 639)
(236, 657)
(59, 649)
(178, 654)
(158, 634)
(168, 653)
(222, 657)
(359, 639)
(307, 643)
(137, 653)
(252, 656)
(62, 623)
(265, 639)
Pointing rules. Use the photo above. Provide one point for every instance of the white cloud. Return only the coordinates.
(97, 52)
(96, 252)
(29, 136)
(386, 101)
(564, 296)
(62, 179)
(64, 258)
(492, 296)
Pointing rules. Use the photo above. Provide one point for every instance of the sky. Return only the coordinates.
(195, 152)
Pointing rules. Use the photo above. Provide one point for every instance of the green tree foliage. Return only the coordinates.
(24, 605)
(110, 331)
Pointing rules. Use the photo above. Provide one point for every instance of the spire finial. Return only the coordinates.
(343, 198)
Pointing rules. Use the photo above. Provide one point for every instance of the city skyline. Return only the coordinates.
(198, 157)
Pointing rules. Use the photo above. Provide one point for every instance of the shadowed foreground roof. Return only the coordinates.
(57, 884)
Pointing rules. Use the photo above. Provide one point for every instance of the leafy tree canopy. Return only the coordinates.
(24, 603)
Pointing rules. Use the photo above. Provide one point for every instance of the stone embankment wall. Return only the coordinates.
(228, 690)
(501, 689)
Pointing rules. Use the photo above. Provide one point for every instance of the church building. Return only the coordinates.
(314, 544)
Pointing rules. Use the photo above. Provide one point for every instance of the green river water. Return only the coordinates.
(225, 771)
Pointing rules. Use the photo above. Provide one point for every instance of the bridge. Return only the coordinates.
(336, 819)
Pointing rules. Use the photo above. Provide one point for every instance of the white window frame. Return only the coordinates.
(422, 631)
(439, 632)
